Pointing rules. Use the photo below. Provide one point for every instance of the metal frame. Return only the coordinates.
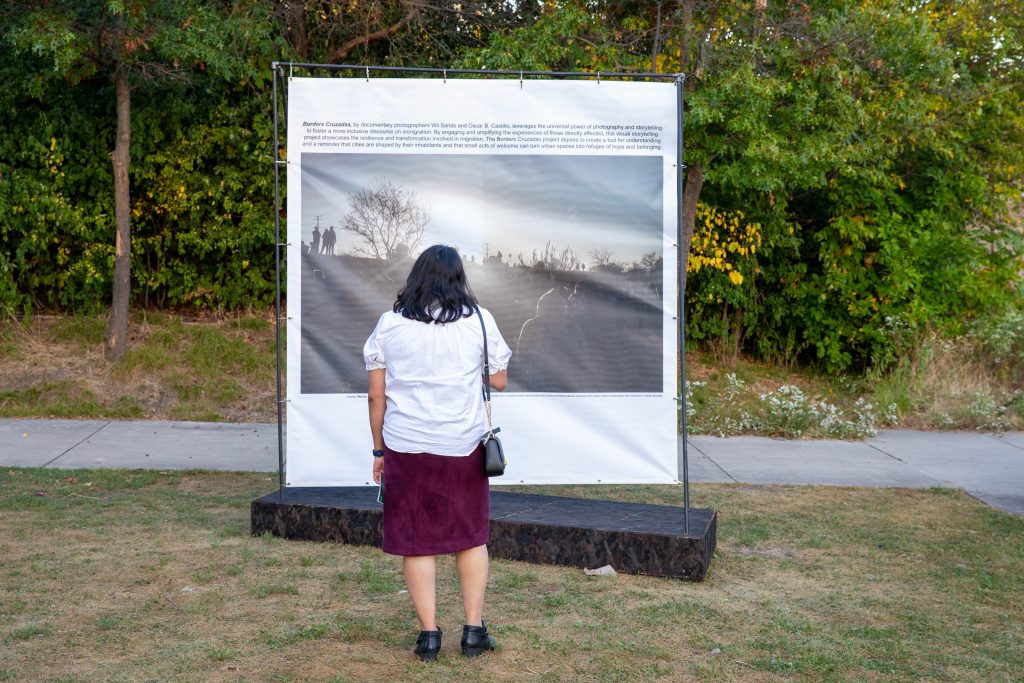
(681, 298)
(278, 71)
(277, 289)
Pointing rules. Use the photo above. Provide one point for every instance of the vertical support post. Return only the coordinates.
(275, 71)
(681, 299)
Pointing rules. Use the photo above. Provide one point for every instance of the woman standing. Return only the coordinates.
(425, 365)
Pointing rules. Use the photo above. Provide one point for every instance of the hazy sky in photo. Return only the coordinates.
(507, 203)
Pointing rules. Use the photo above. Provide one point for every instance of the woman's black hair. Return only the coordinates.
(437, 289)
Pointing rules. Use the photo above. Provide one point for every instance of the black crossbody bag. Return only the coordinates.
(494, 454)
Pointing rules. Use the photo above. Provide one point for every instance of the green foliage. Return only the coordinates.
(876, 145)
(201, 201)
(565, 37)
(207, 200)
(859, 136)
(201, 133)
(51, 210)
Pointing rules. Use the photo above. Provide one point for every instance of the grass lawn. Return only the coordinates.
(112, 575)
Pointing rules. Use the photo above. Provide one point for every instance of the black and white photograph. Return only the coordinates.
(564, 250)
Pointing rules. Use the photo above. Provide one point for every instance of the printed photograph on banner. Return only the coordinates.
(564, 250)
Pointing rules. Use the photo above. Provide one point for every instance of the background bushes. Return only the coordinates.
(861, 191)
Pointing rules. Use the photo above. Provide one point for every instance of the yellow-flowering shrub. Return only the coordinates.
(721, 267)
(723, 241)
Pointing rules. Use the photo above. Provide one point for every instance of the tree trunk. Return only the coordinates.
(691, 193)
(117, 326)
(759, 8)
(737, 332)
(657, 40)
(295, 20)
(686, 9)
(694, 172)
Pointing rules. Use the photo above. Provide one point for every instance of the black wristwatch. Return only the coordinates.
(378, 454)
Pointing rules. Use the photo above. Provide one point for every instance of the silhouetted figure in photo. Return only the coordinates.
(544, 352)
(315, 247)
(305, 248)
(330, 237)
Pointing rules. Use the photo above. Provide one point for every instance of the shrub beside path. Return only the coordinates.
(989, 467)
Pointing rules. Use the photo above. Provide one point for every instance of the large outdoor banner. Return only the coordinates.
(560, 197)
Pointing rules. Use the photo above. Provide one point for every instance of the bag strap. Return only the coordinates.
(487, 376)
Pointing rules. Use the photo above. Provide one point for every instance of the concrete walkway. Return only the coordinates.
(989, 467)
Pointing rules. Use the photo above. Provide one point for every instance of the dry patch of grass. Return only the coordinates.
(741, 396)
(210, 370)
(956, 384)
(143, 575)
(939, 384)
(222, 368)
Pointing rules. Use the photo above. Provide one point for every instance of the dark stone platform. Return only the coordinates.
(632, 537)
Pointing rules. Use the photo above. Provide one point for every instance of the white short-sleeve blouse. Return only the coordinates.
(432, 380)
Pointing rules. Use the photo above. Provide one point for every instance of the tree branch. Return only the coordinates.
(339, 53)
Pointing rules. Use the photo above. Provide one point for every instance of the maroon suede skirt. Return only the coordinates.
(434, 504)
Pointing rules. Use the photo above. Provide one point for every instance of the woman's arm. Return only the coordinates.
(499, 380)
(378, 402)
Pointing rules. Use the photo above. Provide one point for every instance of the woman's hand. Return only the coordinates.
(499, 380)
(378, 468)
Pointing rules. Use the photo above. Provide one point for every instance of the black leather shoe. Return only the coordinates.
(476, 640)
(428, 644)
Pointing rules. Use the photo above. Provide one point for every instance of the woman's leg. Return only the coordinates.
(472, 567)
(420, 573)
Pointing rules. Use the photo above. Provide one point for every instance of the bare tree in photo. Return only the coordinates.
(601, 256)
(603, 260)
(651, 262)
(385, 217)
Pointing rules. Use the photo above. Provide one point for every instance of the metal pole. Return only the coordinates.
(681, 285)
(481, 72)
(277, 293)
